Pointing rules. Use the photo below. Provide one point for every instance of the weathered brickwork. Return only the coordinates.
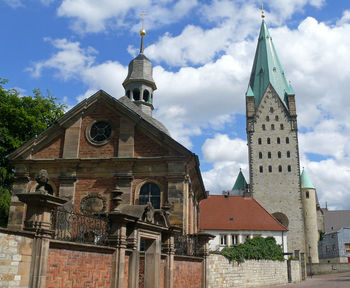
(141, 272)
(68, 268)
(15, 259)
(187, 274)
(146, 147)
(88, 150)
(162, 273)
(274, 166)
(51, 151)
(126, 271)
(251, 273)
(84, 187)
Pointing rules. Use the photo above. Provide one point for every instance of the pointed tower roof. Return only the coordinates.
(140, 68)
(267, 69)
(241, 183)
(305, 181)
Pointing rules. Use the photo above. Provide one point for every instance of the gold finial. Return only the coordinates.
(143, 31)
(262, 11)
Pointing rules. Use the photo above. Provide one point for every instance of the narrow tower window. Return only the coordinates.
(268, 141)
(269, 155)
(278, 140)
(261, 169)
(307, 194)
(259, 141)
(136, 94)
(263, 127)
(260, 155)
(270, 168)
(281, 126)
(289, 168)
(287, 140)
(288, 154)
(267, 118)
(279, 154)
(272, 126)
(279, 168)
(276, 117)
(146, 96)
(271, 109)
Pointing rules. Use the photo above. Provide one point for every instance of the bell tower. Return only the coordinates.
(139, 84)
(272, 133)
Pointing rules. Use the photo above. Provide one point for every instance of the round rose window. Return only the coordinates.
(100, 132)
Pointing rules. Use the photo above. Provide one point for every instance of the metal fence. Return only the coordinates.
(75, 227)
(186, 245)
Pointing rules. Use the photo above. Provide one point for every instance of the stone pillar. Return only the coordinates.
(203, 251)
(123, 184)
(134, 259)
(169, 250)
(38, 219)
(126, 138)
(117, 238)
(17, 208)
(72, 140)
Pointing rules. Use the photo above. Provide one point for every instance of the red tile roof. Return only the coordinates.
(217, 212)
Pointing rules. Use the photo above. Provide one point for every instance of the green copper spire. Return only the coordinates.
(305, 181)
(240, 184)
(267, 69)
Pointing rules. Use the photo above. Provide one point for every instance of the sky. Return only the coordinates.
(202, 54)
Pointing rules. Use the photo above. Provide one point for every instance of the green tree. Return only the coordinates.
(21, 118)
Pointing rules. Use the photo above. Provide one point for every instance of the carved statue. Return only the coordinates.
(42, 179)
(149, 213)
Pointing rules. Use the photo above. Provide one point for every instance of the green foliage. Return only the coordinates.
(321, 235)
(21, 118)
(258, 248)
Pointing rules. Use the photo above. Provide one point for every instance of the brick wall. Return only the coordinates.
(69, 268)
(146, 147)
(142, 272)
(251, 273)
(86, 149)
(126, 271)
(187, 273)
(15, 259)
(52, 151)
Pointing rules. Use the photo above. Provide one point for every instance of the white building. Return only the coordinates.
(233, 219)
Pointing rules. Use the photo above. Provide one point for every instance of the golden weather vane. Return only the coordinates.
(262, 10)
(143, 31)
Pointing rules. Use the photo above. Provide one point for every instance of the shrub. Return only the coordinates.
(257, 248)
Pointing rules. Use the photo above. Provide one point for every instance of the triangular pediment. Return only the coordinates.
(101, 106)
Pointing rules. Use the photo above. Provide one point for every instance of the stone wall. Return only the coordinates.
(251, 273)
(187, 272)
(328, 268)
(72, 268)
(15, 259)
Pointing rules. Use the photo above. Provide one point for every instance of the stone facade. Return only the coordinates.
(274, 163)
(251, 273)
(15, 260)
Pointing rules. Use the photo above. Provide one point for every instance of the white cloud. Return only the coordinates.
(96, 16)
(345, 18)
(14, 3)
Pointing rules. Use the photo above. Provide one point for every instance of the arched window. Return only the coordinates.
(261, 169)
(283, 219)
(128, 94)
(260, 155)
(268, 141)
(278, 140)
(307, 194)
(279, 168)
(270, 168)
(263, 127)
(267, 118)
(259, 141)
(279, 154)
(269, 155)
(272, 126)
(289, 168)
(287, 140)
(146, 96)
(136, 94)
(281, 126)
(150, 192)
(271, 109)
(288, 154)
(276, 117)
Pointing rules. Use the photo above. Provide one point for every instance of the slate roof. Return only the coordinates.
(335, 220)
(267, 69)
(234, 213)
(132, 106)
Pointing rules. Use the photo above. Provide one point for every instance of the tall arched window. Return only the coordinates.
(278, 140)
(136, 94)
(260, 155)
(268, 141)
(259, 141)
(269, 155)
(287, 140)
(150, 192)
(279, 154)
(146, 96)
